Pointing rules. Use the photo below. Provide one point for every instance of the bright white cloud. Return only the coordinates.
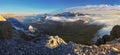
(95, 9)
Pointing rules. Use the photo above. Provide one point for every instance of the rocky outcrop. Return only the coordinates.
(99, 41)
(43, 46)
(5, 29)
(54, 41)
(103, 40)
(106, 38)
(2, 18)
(115, 33)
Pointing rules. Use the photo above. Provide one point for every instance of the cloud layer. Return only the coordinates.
(95, 9)
(101, 14)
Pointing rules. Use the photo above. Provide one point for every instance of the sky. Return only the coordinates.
(47, 6)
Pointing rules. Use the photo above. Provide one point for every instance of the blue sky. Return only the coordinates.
(46, 6)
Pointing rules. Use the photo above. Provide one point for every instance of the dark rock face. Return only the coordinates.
(25, 36)
(115, 33)
(106, 38)
(103, 40)
(5, 30)
(99, 41)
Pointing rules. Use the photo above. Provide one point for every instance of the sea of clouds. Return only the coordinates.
(102, 14)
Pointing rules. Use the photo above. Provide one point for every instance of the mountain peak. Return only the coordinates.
(2, 18)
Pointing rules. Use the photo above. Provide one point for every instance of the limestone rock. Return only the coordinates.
(54, 41)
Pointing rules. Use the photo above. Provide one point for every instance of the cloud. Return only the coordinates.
(108, 20)
(95, 9)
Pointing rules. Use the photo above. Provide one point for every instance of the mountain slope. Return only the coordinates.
(16, 24)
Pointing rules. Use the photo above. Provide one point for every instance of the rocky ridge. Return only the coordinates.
(54, 45)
